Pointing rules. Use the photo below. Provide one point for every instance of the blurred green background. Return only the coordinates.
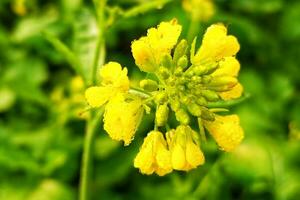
(41, 131)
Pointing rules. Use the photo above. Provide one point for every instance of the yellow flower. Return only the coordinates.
(114, 80)
(154, 155)
(226, 130)
(200, 10)
(229, 67)
(148, 51)
(122, 117)
(185, 152)
(216, 45)
(233, 93)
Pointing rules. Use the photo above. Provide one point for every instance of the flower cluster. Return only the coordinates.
(184, 82)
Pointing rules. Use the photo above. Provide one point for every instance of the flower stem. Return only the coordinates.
(94, 120)
(87, 154)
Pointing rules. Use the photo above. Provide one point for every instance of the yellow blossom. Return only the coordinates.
(185, 152)
(233, 93)
(229, 67)
(148, 51)
(226, 130)
(114, 80)
(154, 155)
(122, 117)
(200, 10)
(216, 45)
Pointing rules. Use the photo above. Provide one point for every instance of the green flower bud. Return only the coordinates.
(206, 79)
(161, 115)
(175, 105)
(149, 85)
(183, 62)
(194, 109)
(178, 71)
(200, 70)
(161, 97)
(210, 95)
(167, 61)
(180, 50)
(207, 115)
(182, 116)
(164, 72)
(201, 101)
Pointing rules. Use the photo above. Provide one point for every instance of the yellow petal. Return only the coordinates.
(234, 93)
(148, 51)
(226, 130)
(144, 160)
(143, 56)
(178, 158)
(194, 155)
(121, 118)
(230, 66)
(97, 96)
(216, 45)
(113, 75)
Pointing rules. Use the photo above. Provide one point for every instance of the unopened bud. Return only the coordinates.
(182, 116)
(161, 115)
(166, 61)
(180, 50)
(149, 85)
(183, 62)
(161, 97)
(210, 95)
(194, 109)
(175, 105)
(164, 72)
(207, 115)
(206, 79)
(201, 101)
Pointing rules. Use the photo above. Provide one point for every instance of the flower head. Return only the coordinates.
(183, 84)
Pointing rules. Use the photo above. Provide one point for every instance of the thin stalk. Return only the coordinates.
(94, 120)
(193, 30)
(87, 154)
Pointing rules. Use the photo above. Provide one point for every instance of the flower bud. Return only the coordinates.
(183, 62)
(149, 85)
(210, 95)
(201, 101)
(175, 105)
(161, 97)
(164, 72)
(194, 109)
(161, 115)
(180, 50)
(182, 116)
(166, 61)
(207, 115)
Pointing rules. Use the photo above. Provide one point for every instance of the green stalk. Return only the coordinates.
(87, 154)
(94, 120)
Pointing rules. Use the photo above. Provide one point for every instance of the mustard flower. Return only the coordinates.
(185, 151)
(154, 155)
(184, 82)
(226, 130)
